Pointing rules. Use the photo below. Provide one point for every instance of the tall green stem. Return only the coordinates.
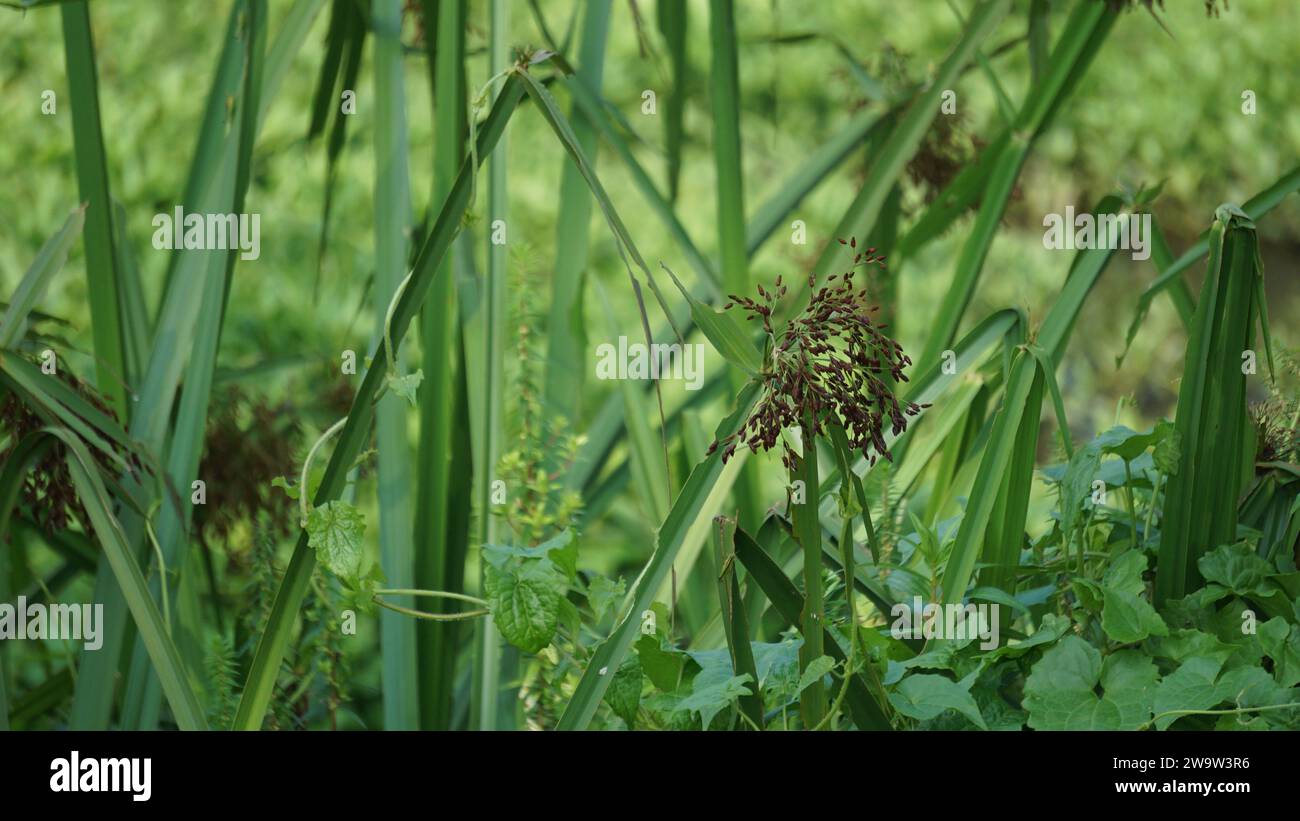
(808, 531)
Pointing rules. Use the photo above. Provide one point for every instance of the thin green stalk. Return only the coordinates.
(732, 253)
(808, 530)
(421, 614)
(487, 389)
(735, 626)
(92, 182)
(436, 649)
(1151, 509)
(864, 706)
(1132, 506)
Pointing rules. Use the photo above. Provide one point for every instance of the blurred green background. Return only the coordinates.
(1157, 107)
(1161, 104)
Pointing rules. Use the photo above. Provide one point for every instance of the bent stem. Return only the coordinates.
(812, 701)
(438, 594)
(1151, 510)
(162, 572)
(303, 503)
(1233, 711)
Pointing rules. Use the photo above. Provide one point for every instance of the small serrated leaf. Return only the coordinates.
(335, 531)
(525, 602)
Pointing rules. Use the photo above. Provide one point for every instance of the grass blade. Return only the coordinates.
(785, 597)
(392, 221)
(186, 450)
(1256, 207)
(733, 616)
(1022, 385)
(31, 288)
(439, 336)
(92, 182)
(567, 339)
(705, 489)
(1084, 33)
(486, 422)
(275, 640)
(732, 253)
(971, 535)
(904, 141)
(673, 17)
(117, 550)
(1200, 509)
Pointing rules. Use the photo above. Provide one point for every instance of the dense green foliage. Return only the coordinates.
(372, 473)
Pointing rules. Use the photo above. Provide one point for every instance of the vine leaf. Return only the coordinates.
(335, 530)
(624, 693)
(524, 597)
(406, 386)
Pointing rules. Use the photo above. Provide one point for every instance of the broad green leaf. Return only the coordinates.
(1077, 484)
(662, 667)
(1060, 692)
(1128, 618)
(624, 693)
(926, 696)
(1125, 443)
(1125, 573)
(1050, 630)
(713, 698)
(1253, 687)
(1281, 641)
(560, 550)
(1181, 645)
(1238, 568)
(1129, 680)
(1190, 687)
(815, 671)
(524, 598)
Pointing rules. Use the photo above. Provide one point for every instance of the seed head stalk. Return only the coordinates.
(831, 365)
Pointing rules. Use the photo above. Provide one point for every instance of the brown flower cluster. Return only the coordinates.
(47, 489)
(827, 366)
(248, 443)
